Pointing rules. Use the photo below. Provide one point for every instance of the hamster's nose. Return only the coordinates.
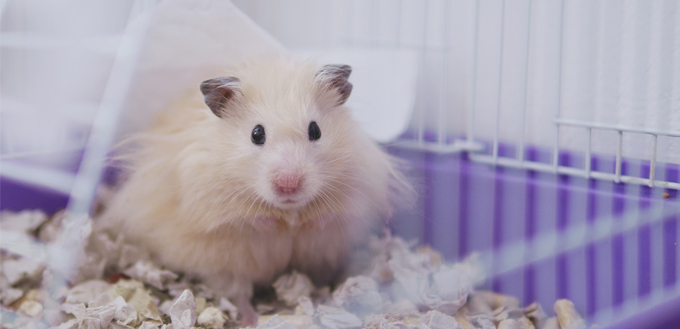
(287, 183)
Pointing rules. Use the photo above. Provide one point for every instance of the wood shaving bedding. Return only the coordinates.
(118, 286)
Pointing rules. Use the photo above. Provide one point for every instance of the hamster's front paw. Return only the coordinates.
(249, 316)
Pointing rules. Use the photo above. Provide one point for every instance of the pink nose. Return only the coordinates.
(287, 182)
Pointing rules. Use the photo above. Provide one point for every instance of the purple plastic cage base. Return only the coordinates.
(17, 196)
(466, 206)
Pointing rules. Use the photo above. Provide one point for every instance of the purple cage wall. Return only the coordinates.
(467, 207)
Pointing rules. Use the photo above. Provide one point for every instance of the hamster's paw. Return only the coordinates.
(249, 316)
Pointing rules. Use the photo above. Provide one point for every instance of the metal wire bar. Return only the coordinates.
(423, 52)
(605, 126)
(619, 150)
(544, 167)
(559, 93)
(589, 152)
(500, 85)
(556, 149)
(441, 129)
(652, 162)
(473, 97)
(520, 152)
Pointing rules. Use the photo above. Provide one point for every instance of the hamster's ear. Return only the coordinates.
(218, 91)
(334, 77)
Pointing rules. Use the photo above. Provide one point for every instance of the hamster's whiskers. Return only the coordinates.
(331, 179)
(336, 219)
(240, 207)
(235, 194)
(256, 200)
(325, 192)
(354, 203)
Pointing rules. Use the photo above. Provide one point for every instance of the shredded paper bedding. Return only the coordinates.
(116, 285)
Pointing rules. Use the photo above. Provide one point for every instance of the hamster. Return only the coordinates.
(270, 174)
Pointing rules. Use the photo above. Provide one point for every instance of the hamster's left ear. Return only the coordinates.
(334, 77)
(218, 91)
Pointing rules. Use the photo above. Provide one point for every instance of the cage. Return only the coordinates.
(544, 134)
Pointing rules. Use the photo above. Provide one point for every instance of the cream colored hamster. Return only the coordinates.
(273, 175)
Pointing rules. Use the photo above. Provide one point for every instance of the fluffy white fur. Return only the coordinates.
(200, 195)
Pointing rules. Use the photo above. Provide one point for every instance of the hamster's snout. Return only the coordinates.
(287, 183)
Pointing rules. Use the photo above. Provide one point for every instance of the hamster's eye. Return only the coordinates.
(257, 136)
(314, 131)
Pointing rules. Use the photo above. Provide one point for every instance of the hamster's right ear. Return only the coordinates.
(334, 77)
(218, 91)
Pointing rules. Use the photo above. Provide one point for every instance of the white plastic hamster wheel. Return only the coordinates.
(575, 104)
